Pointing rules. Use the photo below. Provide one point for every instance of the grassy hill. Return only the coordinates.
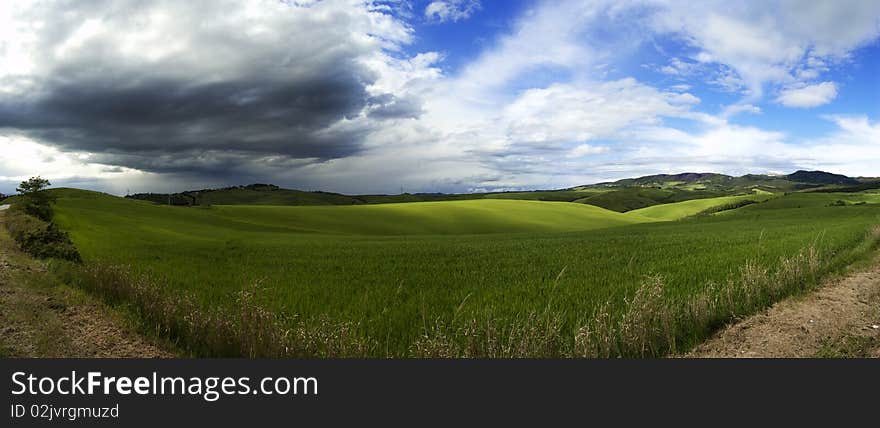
(415, 218)
(680, 210)
(449, 217)
(636, 193)
(671, 180)
(712, 182)
(634, 198)
(254, 194)
(821, 178)
(267, 194)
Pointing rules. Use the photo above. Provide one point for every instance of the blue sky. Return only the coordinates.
(363, 96)
(856, 78)
(463, 40)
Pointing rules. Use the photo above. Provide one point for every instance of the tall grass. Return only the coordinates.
(651, 323)
(243, 329)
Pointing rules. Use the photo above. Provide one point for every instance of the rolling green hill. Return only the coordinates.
(634, 198)
(254, 194)
(671, 180)
(680, 210)
(445, 217)
(711, 182)
(448, 217)
(415, 218)
(821, 178)
(267, 194)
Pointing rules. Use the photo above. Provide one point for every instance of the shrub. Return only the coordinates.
(39, 238)
(37, 208)
(35, 200)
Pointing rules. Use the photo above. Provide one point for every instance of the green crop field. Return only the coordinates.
(465, 278)
(680, 210)
(440, 218)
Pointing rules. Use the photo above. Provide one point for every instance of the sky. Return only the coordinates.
(359, 96)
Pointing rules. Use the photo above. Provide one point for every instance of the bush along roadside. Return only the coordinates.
(38, 237)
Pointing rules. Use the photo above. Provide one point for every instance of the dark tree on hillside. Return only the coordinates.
(32, 185)
(36, 202)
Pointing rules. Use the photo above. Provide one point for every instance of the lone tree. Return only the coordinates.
(36, 202)
(32, 185)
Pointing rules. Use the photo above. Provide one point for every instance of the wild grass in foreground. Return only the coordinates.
(243, 329)
(651, 323)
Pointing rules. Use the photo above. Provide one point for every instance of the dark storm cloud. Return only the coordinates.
(280, 117)
(294, 88)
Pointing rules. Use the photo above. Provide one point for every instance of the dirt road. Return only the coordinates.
(40, 317)
(841, 319)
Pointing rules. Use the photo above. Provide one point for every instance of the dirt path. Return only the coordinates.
(40, 317)
(841, 319)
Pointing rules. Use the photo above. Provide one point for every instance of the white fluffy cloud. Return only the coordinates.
(22, 158)
(451, 10)
(770, 41)
(808, 96)
(563, 113)
(854, 148)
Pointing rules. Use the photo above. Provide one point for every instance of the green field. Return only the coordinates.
(433, 218)
(680, 210)
(409, 274)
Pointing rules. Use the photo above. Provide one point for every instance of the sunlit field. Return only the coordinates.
(396, 272)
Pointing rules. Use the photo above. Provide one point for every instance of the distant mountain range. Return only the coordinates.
(622, 195)
(800, 179)
(821, 177)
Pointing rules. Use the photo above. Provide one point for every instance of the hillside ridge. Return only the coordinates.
(621, 196)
